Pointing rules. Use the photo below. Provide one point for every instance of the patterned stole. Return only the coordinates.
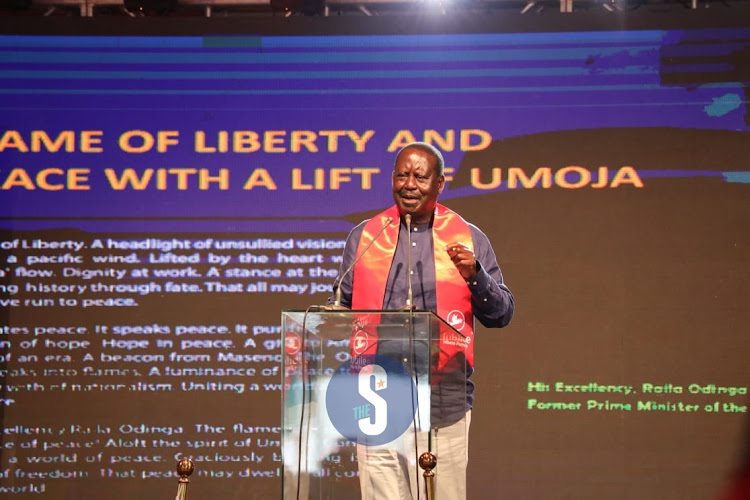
(453, 295)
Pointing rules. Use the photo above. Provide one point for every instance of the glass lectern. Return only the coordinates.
(356, 381)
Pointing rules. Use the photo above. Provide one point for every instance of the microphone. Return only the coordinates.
(409, 293)
(337, 302)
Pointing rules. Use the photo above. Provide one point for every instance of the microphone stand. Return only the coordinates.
(427, 460)
(413, 372)
(409, 293)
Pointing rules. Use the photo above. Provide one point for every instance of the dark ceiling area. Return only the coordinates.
(361, 17)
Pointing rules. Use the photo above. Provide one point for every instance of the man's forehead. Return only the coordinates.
(420, 167)
(424, 161)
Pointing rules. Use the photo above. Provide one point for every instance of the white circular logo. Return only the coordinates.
(360, 342)
(456, 319)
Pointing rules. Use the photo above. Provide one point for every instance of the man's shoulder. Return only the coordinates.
(474, 228)
(477, 234)
(356, 232)
(359, 227)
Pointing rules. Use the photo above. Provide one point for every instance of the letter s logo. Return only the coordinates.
(371, 399)
(381, 406)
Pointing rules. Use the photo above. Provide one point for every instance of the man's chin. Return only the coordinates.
(407, 210)
(417, 215)
(405, 207)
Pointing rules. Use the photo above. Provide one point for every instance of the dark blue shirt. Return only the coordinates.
(491, 301)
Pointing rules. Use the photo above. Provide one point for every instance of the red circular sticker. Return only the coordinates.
(456, 319)
(360, 342)
(292, 344)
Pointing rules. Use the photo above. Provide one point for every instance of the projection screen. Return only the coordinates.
(165, 197)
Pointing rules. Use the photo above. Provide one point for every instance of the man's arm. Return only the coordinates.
(491, 301)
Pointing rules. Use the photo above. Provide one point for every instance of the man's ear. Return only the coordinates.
(441, 184)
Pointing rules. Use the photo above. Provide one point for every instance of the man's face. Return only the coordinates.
(416, 185)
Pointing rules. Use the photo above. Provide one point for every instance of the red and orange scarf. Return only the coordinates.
(453, 295)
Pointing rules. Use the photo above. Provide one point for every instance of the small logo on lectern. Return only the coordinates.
(292, 344)
(456, 319)
(360, 342)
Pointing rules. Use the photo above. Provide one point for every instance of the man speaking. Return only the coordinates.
(450, 269)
